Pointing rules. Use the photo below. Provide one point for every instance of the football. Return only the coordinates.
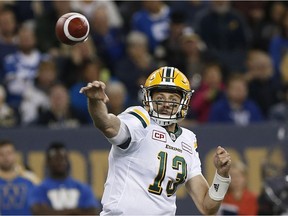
(72, 28)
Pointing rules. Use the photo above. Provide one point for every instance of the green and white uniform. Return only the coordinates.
(143, 178)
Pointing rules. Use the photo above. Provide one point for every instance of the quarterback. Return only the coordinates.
(151, 155)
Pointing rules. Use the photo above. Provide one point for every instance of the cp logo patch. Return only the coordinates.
(158, 135)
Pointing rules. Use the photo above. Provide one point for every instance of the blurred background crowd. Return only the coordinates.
(234, 53)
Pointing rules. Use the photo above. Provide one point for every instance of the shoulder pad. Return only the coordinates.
(140, 113)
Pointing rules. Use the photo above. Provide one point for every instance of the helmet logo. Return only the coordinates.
(152, 77)
(184, 82)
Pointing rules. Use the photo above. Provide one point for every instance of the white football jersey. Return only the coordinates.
(143, 178)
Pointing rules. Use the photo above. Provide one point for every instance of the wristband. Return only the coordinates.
(219, 187)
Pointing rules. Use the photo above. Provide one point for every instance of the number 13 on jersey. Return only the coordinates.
(178, 163)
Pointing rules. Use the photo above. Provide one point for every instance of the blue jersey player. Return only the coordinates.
(59, 193)
(16, 183)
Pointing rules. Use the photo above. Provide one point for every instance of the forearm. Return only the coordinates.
(106, 122)
(210, 206)
(216, 193)
(207, 202)
(203, 201)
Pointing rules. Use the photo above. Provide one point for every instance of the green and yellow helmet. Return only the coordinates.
(172, 80)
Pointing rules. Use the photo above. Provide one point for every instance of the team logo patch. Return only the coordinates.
(173, 137)
(158, 135)
(186, 147)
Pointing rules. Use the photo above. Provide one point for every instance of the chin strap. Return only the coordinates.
(162, 122)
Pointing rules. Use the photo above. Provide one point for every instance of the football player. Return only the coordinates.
(151, 155)
(16, 182)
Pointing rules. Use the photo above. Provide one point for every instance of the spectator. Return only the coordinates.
(127, 10)
(273, 198)
(275, 11)
(59, 193)
(25, 11)
(71, 59)
(210, 90)
(60, 114)
(225, 33)
(194, 56)
(239, 200)
(279, 111)
(278, 47)
(89, 7)
(36, 97)
(235, 107)
(133, 69)
(169, 51)
(45, 25)
(284, 69)
(152, 20)
(8, 36)
(262, 88)
(254, 12)
(117, 94)
(16, 183)
(108, 40)
(184, 49)
(8, 26)
(7, 114)
(189, 9)
(91, 70)
(21, 67)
